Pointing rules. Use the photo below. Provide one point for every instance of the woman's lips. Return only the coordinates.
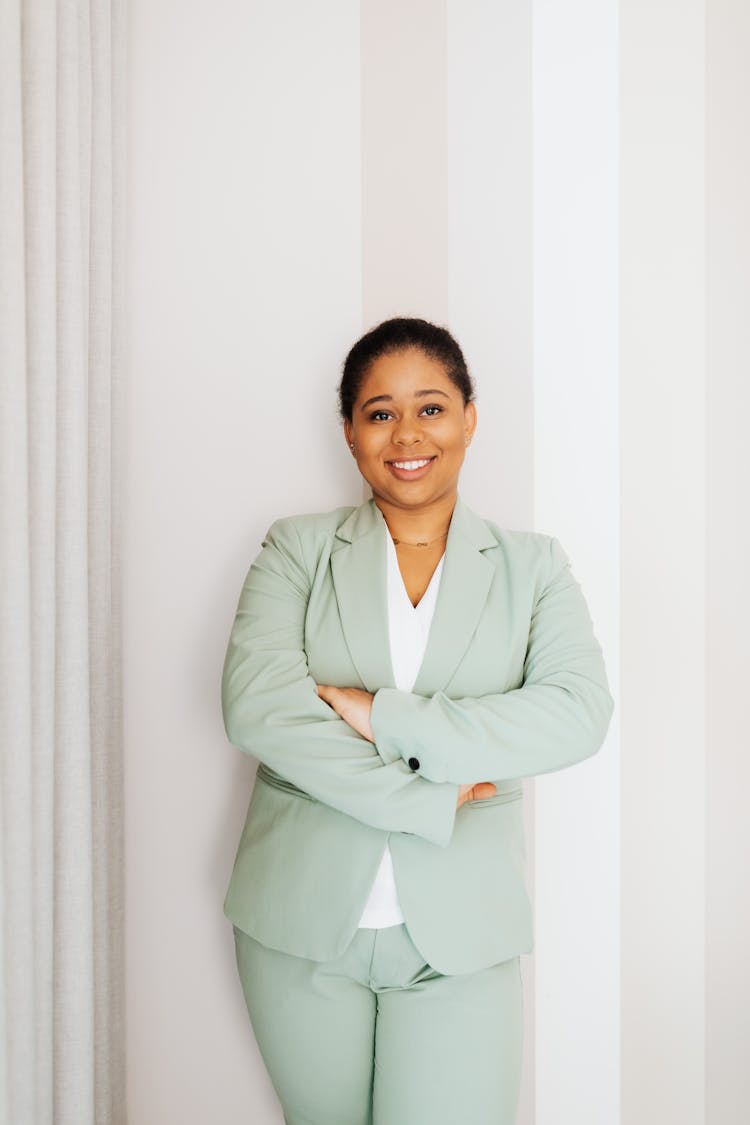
(410, 468)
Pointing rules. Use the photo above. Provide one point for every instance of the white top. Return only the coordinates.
(408, 628)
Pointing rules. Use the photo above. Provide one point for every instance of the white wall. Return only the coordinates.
(663, 420)
(245, 291)
(570, 181)
(577, 489)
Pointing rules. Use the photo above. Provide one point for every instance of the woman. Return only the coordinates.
(396, 669)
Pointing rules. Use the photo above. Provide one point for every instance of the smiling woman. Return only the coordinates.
(408, 418)
(395, 667)
(410, 426)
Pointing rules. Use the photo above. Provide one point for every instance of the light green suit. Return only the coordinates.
(513, 684)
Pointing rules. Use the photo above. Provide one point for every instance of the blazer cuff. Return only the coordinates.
(386, 714)
(389, 722)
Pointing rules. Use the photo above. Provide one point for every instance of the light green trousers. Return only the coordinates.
(378, 1037)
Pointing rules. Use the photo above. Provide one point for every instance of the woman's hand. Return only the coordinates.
(353, 705)
(476, 792)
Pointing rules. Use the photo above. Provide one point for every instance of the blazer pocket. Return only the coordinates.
(278, 782)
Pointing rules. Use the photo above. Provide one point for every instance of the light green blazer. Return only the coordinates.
(513, 683)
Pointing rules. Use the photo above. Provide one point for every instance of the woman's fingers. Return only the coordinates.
(484, 789)
(477, 792)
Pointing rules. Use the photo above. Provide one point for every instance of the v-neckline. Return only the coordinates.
(434, 578)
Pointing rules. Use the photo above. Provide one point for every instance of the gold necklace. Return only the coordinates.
(419, 543)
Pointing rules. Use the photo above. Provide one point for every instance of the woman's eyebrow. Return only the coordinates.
(389, 398)
(376, 398)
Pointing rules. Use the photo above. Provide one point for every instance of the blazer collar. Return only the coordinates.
(358, 565)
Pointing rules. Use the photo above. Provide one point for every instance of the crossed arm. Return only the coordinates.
(355, 707)
(273, 710)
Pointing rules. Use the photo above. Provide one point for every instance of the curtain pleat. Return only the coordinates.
(61, 959)
(39, 69)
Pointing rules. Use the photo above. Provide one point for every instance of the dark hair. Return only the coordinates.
(396, 335)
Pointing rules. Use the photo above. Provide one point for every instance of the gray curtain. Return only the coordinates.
(61, 240)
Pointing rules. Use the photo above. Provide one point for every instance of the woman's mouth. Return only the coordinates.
(410, 468)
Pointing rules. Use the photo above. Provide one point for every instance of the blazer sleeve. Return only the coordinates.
(558, 716)
(271, 708)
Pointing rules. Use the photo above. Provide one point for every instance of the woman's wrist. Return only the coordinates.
(353, 705)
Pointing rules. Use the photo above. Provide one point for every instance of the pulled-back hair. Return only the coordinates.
(396, 335)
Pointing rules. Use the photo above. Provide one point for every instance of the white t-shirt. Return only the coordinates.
(408, 627)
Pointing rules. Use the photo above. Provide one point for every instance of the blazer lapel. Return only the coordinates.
(464, 586)
(358, 566)
(359, 579)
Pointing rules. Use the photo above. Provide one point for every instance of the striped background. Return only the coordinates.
(564, 185)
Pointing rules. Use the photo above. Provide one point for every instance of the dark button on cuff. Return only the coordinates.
(414, 763)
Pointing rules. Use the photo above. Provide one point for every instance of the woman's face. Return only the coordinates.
(410, 429)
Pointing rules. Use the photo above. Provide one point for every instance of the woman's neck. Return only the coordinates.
(418, 525)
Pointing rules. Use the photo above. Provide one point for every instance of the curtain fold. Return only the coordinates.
(61, 243)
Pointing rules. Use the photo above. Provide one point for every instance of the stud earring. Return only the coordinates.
(351, 446)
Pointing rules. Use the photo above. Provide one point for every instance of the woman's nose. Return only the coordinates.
(407, 431)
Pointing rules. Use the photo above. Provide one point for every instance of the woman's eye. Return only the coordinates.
(380, 415)
(432, 410)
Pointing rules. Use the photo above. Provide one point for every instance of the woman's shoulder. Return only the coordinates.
(522, 555)
(307, 537)
(510, 539)
(312, 525)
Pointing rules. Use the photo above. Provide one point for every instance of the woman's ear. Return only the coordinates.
(348, 434)
(470, 420)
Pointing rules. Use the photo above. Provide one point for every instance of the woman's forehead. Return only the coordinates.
(406, 373)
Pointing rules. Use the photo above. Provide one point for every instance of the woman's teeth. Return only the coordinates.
(411, 465)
